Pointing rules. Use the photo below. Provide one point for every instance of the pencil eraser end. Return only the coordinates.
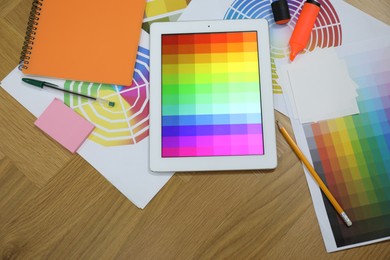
(346, 219)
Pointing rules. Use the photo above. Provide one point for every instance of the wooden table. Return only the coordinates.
(55, 205)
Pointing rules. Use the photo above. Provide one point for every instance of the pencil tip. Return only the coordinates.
(278, 124)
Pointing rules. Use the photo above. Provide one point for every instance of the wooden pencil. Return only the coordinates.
(315, 175)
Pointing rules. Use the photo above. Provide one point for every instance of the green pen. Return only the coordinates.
(41, 84)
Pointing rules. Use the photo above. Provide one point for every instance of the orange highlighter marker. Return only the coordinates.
(302, 30)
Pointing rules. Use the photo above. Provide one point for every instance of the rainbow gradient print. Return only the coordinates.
(352, 154)
(211, 102)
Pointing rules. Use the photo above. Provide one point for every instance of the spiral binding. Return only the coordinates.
(30, 34)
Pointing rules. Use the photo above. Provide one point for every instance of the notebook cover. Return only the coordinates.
(89, 40)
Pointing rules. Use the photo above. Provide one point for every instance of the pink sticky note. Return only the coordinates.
(64, 125)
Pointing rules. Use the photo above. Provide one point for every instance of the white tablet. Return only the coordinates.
(211, 102)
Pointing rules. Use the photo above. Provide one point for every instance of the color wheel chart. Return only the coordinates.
(326, 33)
(128, 121)
(163, 11)
(352, 154)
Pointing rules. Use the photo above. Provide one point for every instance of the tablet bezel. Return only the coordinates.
(212, 163)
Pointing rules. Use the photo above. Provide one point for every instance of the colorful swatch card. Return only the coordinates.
(163, 11)
(352, 153)
(64, 125)
(211, 102)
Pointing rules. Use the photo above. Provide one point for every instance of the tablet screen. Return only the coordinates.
(211, 102)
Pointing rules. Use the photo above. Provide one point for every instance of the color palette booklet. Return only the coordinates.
(118, 148)
(352, 154)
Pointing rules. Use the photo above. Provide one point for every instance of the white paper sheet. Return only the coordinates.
(125, 166)
(321, 87)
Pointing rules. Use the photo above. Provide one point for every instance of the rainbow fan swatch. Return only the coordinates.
(352, 154)
(211, 103)
(163, 11)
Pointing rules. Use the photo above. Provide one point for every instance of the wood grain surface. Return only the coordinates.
(54, 205)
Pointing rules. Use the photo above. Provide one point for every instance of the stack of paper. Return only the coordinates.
(319, 87)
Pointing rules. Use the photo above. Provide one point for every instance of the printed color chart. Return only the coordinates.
(128, 122)
(211, 104)
(352, 154)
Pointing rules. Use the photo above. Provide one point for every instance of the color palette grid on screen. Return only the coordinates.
(352, 154)
(211, 102)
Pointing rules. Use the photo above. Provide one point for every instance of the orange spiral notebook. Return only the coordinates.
(87, 40)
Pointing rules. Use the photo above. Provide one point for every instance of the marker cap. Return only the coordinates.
(313, 2)
(280, 11)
